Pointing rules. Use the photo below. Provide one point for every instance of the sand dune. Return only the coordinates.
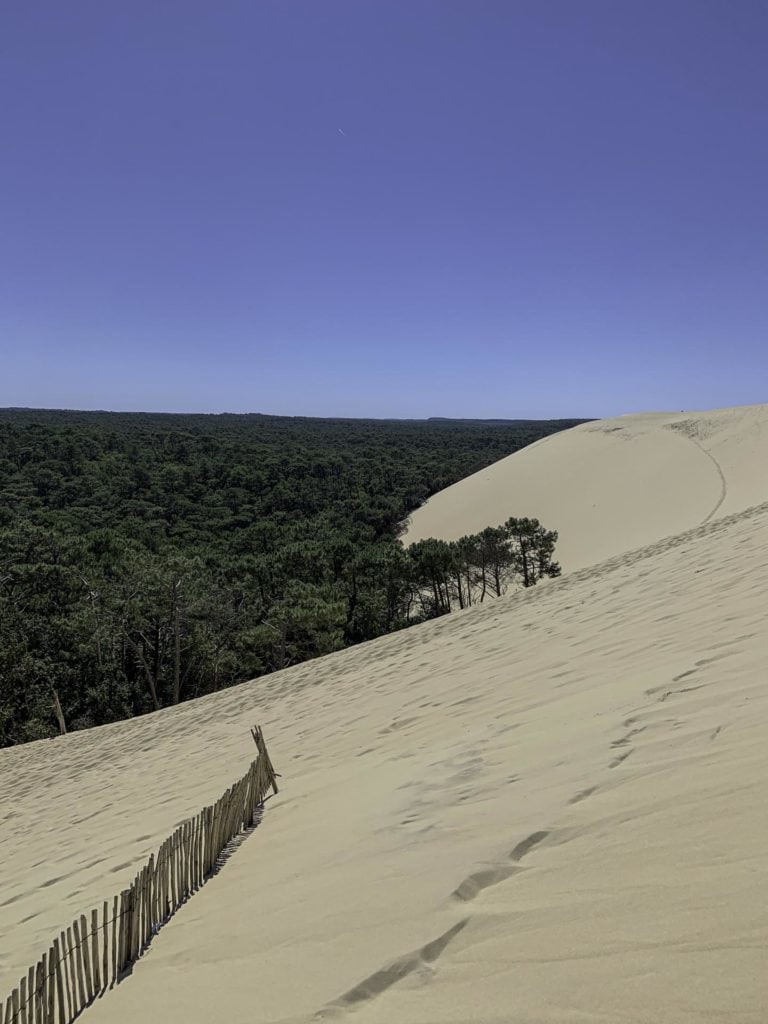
(613, 485)
(548, 808)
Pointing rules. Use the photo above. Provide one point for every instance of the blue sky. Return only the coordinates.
(392, 208)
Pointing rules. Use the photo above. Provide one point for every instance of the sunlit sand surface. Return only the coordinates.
(548, 808)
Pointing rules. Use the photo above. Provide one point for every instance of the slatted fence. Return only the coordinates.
(95, 952)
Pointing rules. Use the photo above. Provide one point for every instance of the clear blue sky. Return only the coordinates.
(384, 207)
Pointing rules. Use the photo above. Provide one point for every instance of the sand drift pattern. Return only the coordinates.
(97, 951)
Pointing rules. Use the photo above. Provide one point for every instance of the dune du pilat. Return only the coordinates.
(545, 805)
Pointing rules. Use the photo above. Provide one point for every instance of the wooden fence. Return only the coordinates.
(95, 952)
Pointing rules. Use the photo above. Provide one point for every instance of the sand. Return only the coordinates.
(614, 485)
(549, 808)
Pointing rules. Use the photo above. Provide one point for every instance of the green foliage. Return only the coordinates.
(147, 559)
(457, 574)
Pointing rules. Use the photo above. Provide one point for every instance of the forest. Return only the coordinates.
(146, 559)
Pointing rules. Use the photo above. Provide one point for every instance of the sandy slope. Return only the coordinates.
(614, 484)
(549, 808)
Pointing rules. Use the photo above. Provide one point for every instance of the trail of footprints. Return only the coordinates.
(422, 958)
(477, 882)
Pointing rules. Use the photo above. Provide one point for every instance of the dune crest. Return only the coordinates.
(613, 485)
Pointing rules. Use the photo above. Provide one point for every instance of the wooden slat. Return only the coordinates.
(208, 813)
(133, 913)
(209, 840)
(172, 862)
(42, 1002)
(196, 831)
(30, 996)
(105, 946)
(22, 1017)
(144, 907)
(252, 799)
(227, 813)
(214, 833)
(130, 953)
(35, 996)
(130, 931)
(51, 986)
(82, 995)
(115, 928)
(138, 893)
(120, 935)
(230, 813)
(180, 866)
(86, 957)
(185, 857)
(147, 929)
(74, 970)
(244, 809)
(137, 917)
(222, 824)
(191, 854)
(67, 976)
(166, 878)
(162, 881)
(129, 911)
(159, 886)
(150, 899)
(154, 903)
(121, 931)
(162, 875)
(59, 977)
(212, 836)
(215, 817)
(95, 952)
(201, 848)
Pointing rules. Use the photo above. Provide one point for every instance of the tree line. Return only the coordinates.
(145, 560)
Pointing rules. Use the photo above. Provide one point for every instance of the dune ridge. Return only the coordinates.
(611, 485)
(545, 808)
